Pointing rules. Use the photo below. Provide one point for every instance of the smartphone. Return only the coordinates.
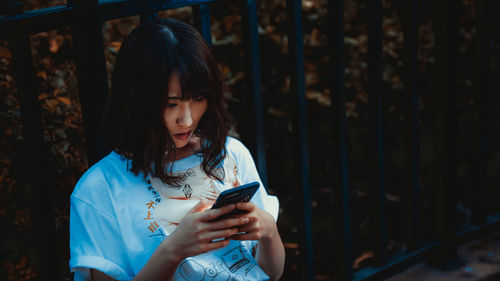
(242, 193)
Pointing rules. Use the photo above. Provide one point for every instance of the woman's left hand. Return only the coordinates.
(261, 225)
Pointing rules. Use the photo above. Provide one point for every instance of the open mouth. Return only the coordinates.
(183, 136)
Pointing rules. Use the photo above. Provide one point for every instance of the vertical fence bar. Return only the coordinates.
(342, 224)
(377, 113)
(296, 53)
(251, 41)
(481, 100)
(35, 152)
(201, 18)
(91, 73)
(412, 133)
(445, 146)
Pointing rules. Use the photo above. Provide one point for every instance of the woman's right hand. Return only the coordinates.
(199, 227)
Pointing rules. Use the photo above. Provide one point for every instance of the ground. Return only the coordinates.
(482, 258)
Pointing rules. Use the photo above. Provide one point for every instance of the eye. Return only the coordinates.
(171, 105)
(198, 98)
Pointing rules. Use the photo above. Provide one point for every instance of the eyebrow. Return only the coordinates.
(173, 98)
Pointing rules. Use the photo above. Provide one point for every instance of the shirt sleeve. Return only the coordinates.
(95, 242)
(247, 173)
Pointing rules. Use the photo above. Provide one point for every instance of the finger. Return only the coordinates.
(245, 236)
(246, 206)
(211, 215)
(248, 228)
(228, 223)
(201, 206)
(218, 234)
(216, 245)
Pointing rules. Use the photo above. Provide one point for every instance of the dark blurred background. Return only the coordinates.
(53, 55)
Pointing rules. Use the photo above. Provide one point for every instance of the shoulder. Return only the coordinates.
(235, 147)
(240, 154)
(96, 180)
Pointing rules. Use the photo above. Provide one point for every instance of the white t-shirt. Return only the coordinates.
(117, 219)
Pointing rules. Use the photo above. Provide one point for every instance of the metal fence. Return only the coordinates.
(85, 18)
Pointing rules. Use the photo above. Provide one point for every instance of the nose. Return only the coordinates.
(185, 118)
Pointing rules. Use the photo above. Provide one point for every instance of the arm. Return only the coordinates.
(262, 227)
(192, 237)
(271, 256)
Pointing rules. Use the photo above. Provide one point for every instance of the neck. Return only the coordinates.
(189, 149)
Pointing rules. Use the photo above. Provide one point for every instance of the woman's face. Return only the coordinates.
(182, 116)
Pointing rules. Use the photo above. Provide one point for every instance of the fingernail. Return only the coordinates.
(245, 220)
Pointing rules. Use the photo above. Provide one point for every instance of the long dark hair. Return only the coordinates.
(133, 123)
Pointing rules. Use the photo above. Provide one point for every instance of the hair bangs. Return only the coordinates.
(195, 76)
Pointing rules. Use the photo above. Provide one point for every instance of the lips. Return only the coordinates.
(182, 136)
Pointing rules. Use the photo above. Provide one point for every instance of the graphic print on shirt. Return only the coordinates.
(233, 264)
(152, 224)
(195, 185)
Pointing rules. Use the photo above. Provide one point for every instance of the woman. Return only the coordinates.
(143, 212)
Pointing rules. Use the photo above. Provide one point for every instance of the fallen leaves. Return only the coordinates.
(115, 46)
(290, 245)
(5, 52)
(64, 100)
(21, 270)
(322, 98)
(55, 43)
(61, 120)
(22, 219)
(363, 257)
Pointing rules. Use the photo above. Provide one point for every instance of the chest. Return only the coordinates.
(173, 202)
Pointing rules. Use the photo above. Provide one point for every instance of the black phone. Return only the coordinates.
(242, 193)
